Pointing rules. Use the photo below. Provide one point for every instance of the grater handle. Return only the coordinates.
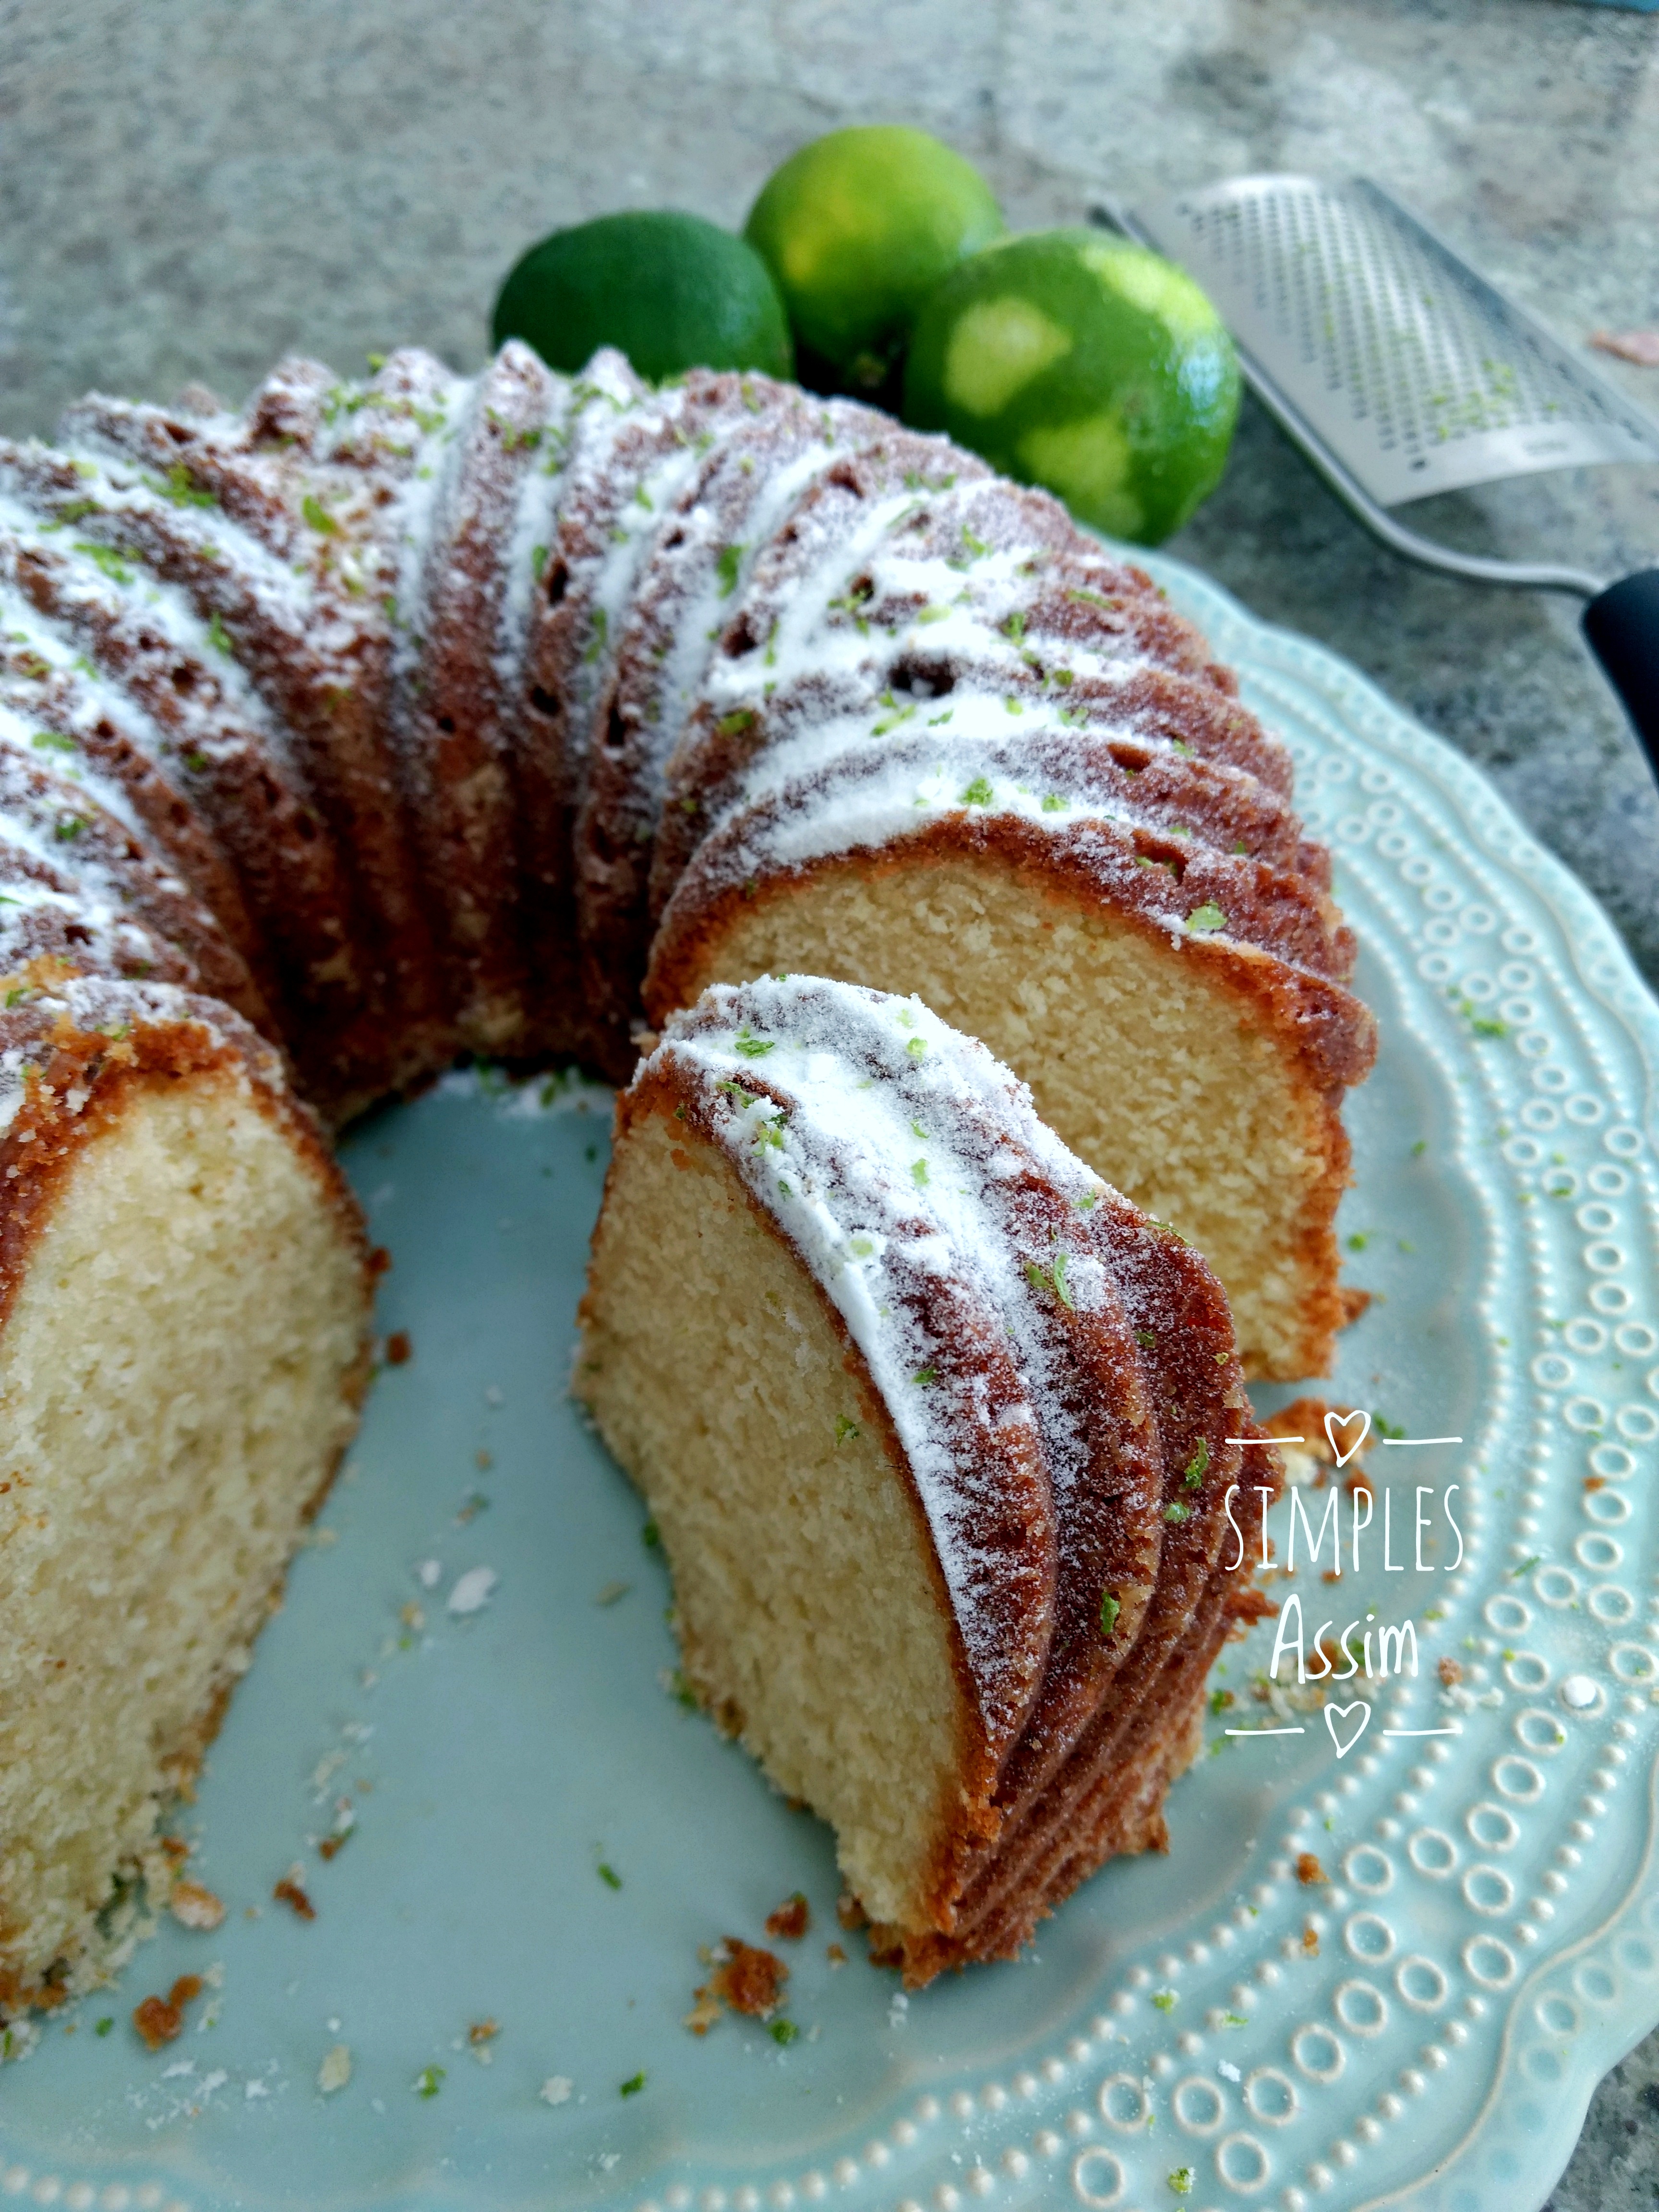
(1621, 626)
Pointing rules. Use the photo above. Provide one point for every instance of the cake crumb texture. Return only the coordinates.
(178, 1372)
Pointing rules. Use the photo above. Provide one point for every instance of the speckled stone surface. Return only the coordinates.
(189, 187)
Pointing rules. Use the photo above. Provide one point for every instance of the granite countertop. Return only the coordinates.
(188, 190)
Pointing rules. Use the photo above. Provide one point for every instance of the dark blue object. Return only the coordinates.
(1621, 625)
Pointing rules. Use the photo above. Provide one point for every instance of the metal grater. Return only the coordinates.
(1417, 373)
(1401, 372)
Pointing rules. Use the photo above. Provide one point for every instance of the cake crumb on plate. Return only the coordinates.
(745, 1977)
(474, 1590)
(195, 1905)
(162, 2019)
(289, 1891)
(791, 1919)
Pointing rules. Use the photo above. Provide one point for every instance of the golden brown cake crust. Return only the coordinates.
(54, 698)
(82, 1047)
(1063, 1819)
(257, 808)
(1297, 986)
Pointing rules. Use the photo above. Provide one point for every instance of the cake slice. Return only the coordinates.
(937, 1430)
(183, 1299)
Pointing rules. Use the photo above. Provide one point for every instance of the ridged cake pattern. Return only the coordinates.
(1060, 1375)
(400, 715)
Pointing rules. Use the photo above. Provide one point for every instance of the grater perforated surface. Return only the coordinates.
(1417, 374)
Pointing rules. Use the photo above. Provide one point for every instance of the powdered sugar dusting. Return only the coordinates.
(875, 1136)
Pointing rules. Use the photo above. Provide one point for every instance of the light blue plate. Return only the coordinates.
(1203, 2029)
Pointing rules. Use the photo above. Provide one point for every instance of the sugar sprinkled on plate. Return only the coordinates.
(474, 1590)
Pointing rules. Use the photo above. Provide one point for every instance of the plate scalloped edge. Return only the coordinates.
(1526, 2128)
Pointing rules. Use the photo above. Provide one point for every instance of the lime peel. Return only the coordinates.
(1088, 365)
(996, 350)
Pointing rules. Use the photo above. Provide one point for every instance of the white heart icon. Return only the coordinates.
(1337, 1718)
(1344, 1422)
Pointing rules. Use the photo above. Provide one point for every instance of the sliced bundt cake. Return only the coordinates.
(428, 715)
(938, 1431)
(183, 1307)
(504, 714)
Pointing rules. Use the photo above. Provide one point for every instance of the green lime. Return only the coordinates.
(670, 291)
(858, 229)
(1079, 362)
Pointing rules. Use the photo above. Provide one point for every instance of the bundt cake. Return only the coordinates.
(938, 1431)
(393, 720)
